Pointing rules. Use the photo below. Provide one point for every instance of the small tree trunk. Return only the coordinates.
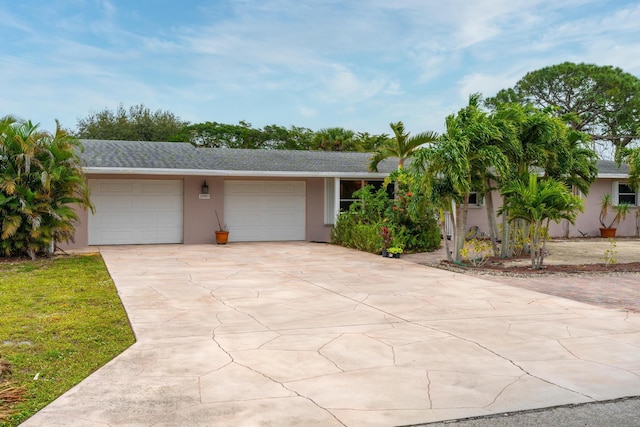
(533, 233)
(443, 230)
(506, 249)
(491, 217)
(461, 225)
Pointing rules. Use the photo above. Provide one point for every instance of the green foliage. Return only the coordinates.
(40, 179)
(375, 221)
(609, 257)
(401, 146)
(602, 101)
(138, 123)
(606, 204)
(61, 320)
(538, 203)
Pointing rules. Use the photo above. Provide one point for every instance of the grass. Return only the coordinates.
(60, 320)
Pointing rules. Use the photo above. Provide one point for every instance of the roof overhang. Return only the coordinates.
(229, 173)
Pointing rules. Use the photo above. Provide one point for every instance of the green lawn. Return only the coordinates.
(60, 320)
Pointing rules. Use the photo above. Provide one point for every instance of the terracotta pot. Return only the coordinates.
(608, 232)
(222, 237)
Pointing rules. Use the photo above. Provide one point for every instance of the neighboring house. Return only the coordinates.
(611, 179)
(155, 192)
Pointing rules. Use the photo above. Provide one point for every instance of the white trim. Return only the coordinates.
(329, 201)
(196, 172)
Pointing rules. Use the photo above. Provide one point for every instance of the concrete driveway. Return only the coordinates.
(307, 334)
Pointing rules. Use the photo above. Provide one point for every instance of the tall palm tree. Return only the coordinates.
(401, 146)
(466, 157)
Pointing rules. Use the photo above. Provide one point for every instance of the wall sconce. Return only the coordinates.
(204, 191)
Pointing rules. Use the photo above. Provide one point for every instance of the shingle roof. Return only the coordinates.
(609, 167)
(143, 155)
(185, 156)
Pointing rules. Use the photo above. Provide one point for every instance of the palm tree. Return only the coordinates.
(40, 181)
(464, 157)
(401, 146)
(548, 145)
(336, 139)
(539, 203)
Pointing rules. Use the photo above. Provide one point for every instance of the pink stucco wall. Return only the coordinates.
(586, 224)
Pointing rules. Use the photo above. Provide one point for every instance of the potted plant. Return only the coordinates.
(222, 233)
(394, 252)
(608, 229)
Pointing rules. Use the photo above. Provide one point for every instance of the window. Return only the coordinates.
(350, 186)
(476, 199)
(626, 194)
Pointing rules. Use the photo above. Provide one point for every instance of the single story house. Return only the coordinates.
(163, 192)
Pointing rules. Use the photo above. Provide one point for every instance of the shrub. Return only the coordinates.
(374, 221)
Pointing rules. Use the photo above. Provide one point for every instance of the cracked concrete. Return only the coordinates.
(310, 334)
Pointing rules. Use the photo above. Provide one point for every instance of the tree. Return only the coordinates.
(401, 146)
(336, 139)
(546, 144)
(463, 158)
(40, 181)
(539, 202)
(602, 101)
(138, 123)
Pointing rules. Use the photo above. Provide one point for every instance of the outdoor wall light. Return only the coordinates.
(205, 188)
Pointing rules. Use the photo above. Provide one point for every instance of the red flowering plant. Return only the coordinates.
(385, 233)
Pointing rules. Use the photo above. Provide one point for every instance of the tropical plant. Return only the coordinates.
(466, 157)
(375, 222)
(402, 146)
(539, 202)
(41, 181)
(602, 101)
(606, 205)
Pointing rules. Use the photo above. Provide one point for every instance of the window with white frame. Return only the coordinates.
(624, 193)
(350, 186)
(476, 199)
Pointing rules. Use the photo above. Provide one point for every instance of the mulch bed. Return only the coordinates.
(504, 267)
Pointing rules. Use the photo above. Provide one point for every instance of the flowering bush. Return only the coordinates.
(406, 221)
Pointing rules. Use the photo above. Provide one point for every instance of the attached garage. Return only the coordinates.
(265, 210)
(136, 211)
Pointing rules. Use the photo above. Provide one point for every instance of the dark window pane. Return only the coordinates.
(345, 204)
(625, 188)
(473, 198)
(627, 198)
(348, 187)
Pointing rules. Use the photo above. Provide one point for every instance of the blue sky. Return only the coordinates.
(358, 64)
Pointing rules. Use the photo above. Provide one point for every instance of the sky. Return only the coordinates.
(356, 64)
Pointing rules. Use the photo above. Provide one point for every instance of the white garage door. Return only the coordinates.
(135, 211)
(265, 210)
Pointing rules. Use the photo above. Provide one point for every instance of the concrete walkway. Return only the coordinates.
(310, 334)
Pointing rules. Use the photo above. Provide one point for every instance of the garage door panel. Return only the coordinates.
(283, 203)
(265, 210)
(104, 187)
(136, 212)
(283, 187)
(245, 187)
